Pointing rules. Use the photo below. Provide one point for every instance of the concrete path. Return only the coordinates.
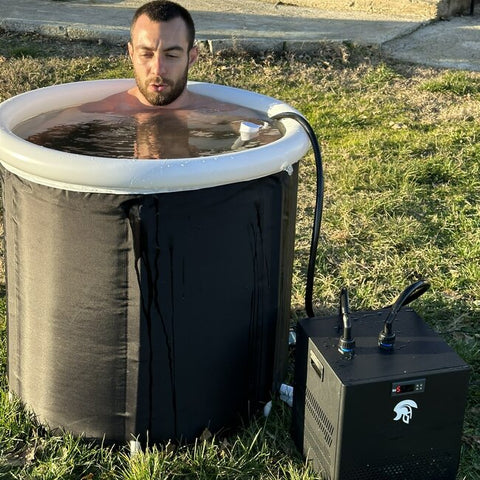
(257, 25)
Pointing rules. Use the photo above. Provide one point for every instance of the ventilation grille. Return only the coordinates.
(441, 466)
(320, 417)
(315, 451)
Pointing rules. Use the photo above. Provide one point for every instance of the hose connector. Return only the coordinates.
(346, 344)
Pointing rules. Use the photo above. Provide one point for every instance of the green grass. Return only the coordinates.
(402, 166)
(458, 83)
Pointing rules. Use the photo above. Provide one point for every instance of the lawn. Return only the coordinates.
(402, 201)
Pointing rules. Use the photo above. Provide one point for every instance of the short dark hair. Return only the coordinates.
(163, 11)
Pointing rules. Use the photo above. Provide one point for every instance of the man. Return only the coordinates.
(162, 50)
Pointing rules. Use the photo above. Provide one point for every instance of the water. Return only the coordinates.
(146, 134)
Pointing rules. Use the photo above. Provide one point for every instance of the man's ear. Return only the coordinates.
(192, 55)
(130, 50)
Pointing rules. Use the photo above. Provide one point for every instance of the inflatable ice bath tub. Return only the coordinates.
(147, 298)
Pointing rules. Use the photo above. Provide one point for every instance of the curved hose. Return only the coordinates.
(317, 219)
(386, 338)
(411, 293)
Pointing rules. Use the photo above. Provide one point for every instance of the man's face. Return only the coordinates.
(161, 59)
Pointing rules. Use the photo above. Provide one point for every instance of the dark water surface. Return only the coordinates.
(168, 134)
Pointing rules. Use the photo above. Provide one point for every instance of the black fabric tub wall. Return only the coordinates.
(154, 315)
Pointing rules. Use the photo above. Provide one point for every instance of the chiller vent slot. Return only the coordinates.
(320, 417)
(315, 448)
(416, 466)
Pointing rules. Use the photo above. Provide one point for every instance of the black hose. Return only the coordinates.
(317, 219)
(386, 338)
(411, 293)
(346, 343)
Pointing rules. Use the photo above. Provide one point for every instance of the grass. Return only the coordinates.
(402, 164)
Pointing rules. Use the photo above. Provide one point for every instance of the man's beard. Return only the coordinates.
(158, 99)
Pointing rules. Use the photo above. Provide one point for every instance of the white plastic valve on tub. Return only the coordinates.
(249, 130)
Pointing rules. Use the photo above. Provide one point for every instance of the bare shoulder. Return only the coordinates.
(122, 102)
(205, 106)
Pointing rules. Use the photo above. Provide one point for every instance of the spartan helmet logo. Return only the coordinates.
(404, 410)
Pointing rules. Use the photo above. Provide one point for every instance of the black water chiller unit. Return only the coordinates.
(378, 415)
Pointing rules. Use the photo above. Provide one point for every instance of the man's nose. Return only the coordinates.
(158, 65)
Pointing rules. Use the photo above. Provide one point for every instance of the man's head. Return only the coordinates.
(164, 11)
(162, 50)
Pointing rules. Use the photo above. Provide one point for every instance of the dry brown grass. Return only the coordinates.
(402, 163)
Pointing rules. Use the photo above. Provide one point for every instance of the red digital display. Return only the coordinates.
(403, 388)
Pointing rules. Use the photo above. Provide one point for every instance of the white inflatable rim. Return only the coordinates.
(99, 174)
